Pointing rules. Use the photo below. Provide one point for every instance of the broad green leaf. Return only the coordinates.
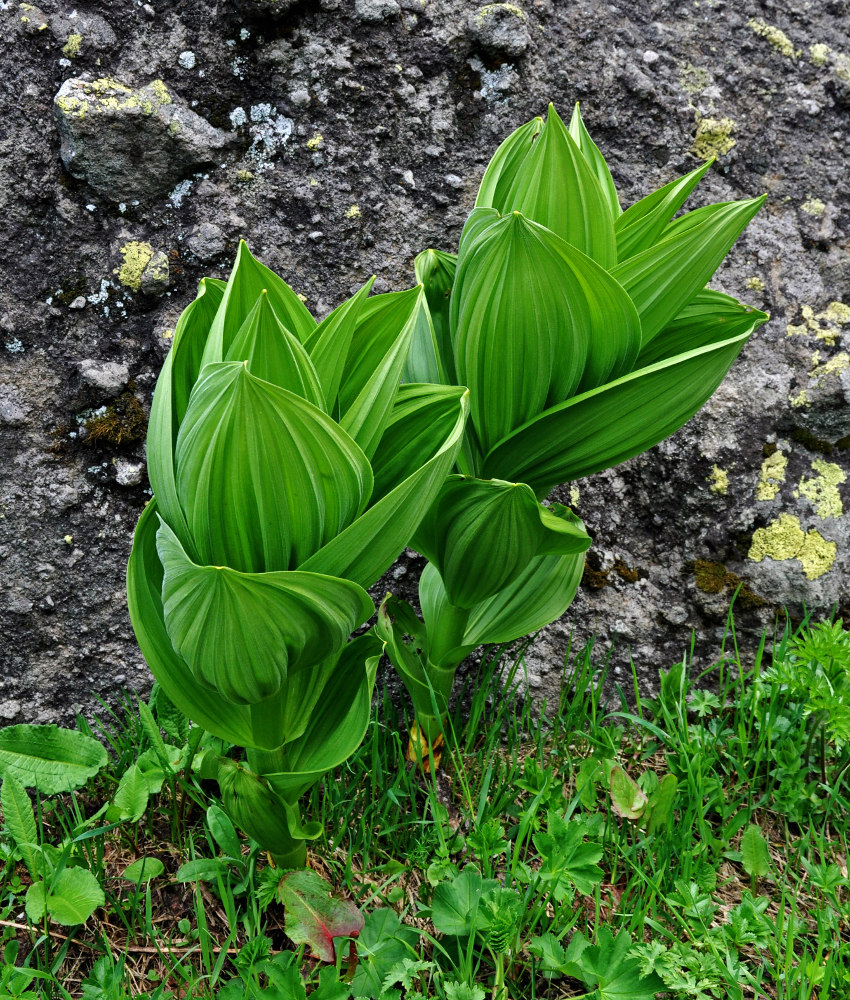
(533, 321)
(369, 547)
(204, 706)
(380, 347)
(48, 758)
(200, 870)
(337, 723)
(755, 856)
(661, 803)
(330, 342)
(550, 954)
(143, 870)
(608, 968)
(382, 943)
(596, 162)
(556, 187)
(72, 898)
(171, 398)
(274, 354)
(422, 417)
(19, 820)
(315, 916)
(641, 226)
(608, 425)
(708, 318)
(266, 478)
(566, 858)
(482, 534)
(248, 279)
(435, 270)
(628, 800)
(240, 633)
(131, 797)
(222, 831)
(455, 909)
(664, 278)
(506, 162)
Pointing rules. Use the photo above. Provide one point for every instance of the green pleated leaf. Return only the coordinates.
(337, 723)
(596, 162)
(265, 478)
(379, 349)
(248, 279)
(239, 631)
(641, 226)
(534, 321)
(329, 344)
(171, 398)
(423, 416)
(663, 279)
(423, 361)
(144, 599)
(556, 187)
(507, 160)
(366, 549)
(608, 425)
(435, 270)
(707, 319)
(274, 354)
(482, 534)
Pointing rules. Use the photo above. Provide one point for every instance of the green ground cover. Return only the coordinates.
(689, 845)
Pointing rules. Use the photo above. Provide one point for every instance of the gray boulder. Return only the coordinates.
(131, 143)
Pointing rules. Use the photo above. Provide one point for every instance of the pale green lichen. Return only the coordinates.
(818, 53)
(755, 284)
(772, 476)
(353, 212)
(841, 65)
(244, 176)
(822, 489)
(136, 256)
(813, 206)
(719, 481)
(494, 8)
(574, 496)
(713, 138)
(784, 539)
(692, 79)
(71, 48)
(773, 36)
(314, 143)
(799, 400)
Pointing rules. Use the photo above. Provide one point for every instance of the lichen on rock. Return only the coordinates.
(784, 539)
(713, 137)
(822, 489)
(772, 476)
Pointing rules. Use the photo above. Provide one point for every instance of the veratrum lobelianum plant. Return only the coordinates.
(289, 468)
(585, 335)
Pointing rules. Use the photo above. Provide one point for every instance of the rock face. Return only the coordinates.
(341, 139)
(131, 144)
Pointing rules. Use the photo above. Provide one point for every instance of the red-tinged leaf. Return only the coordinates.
(314, 916)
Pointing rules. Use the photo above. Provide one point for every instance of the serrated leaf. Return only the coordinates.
(383, 942)
(314, 916)
(48, 758)
(265, 477)
(131, 797)
(241, 633)
(755, 856)
(566, 858)
(143, 870)
(455, 908)
(609, 968)
(19, 820)
(628, 799)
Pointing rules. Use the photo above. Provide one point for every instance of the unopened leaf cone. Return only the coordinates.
(585, 335)
(289, 467)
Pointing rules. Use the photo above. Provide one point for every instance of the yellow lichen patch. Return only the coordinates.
(840, 363)
(243, 176)
(692, 79)
(574, 495)
(772, 476)
(813, 206)
(799, 399)
(784, 539)
(302, 297)
(825, 325)
(353, 212)
(136, 256)
(719, 481)
(314, 143)
(495, 8)
(773, 36)
(71, 48)
(841, 65)
(818, 54)
(822, 489)
(713, 138)
(161, 91)
(755, 284)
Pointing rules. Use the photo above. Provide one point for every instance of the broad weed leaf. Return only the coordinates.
(755, 856)
(567, 860)
(628, 800)
(383, 942)
(456, 907)
(19, 819)
(48, 758)
(315, 916)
